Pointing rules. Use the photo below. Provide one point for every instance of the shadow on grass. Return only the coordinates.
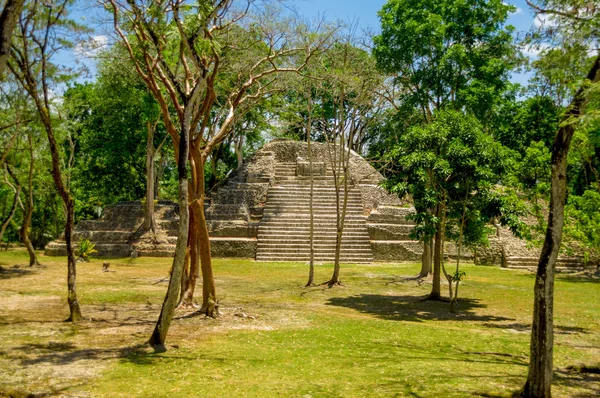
(526, 328)
(9, 273)
(588, 384)
(67, 353)
(411, 308)
(581, 278)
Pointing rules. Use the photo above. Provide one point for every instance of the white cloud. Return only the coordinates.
(90, 48)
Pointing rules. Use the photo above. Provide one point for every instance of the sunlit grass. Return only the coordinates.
(373, 337)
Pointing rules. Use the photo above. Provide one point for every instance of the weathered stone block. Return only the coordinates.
(240, 248)
(389, 231)
(396, 250)
(303, 168)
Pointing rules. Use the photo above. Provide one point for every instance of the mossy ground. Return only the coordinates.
(372, 337)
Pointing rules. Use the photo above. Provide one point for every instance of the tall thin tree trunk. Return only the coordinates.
(149, 223)
(438, 256)
(539, 378)
(69, 207)
(190, 277)
(239, 151)
(311, 232)
(159, 335)
(29, 208)
(425, 260)
(209, 290)
(11, 213)
(162, 164)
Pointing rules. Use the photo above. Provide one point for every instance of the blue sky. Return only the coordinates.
(362, 12)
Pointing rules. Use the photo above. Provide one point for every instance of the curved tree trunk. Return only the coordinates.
(69, 206)
(11, 213)
(539, 378)
(29, 209)
(159, 335)
(200, 246)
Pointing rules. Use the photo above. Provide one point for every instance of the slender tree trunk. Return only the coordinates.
(159, 335)
(239, 151)
(159, 175)
(209, 291)
(11, 213)
(191, 275)
(8, 20)
(149, 223)
(29, 209)
(437, 259)
(539, 378)
(425, 260)
(311, 232)
(69, 206)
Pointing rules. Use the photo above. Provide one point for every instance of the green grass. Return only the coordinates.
(373, 337)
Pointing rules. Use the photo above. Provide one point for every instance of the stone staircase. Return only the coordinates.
(563, 264)
(283, 233)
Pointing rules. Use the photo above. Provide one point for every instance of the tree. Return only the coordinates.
(36, 42)
(575, 21)
(181, 59)
(451, 52)
(116, 121)
(454, 54)
(336, 101)
(450, 166)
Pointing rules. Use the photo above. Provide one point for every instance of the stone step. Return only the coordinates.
(305, 199)
(286, 243)
(321, 252)
(306, 183)
(98, 225)
(317, 238)
(302, 187)
(319, 259)
(115, 236)
(302, 207)
(323, 224)
(304, 219)
(304, 195)
(305, 227)
(317, 213)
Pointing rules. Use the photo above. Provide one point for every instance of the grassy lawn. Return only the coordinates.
(372, 337)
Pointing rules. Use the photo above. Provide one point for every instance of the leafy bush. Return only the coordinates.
(86, 249)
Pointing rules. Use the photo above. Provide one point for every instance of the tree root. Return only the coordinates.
(186, 305)
(331, 283)
(434, 297)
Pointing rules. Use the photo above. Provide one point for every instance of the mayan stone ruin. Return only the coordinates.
(262, 212)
